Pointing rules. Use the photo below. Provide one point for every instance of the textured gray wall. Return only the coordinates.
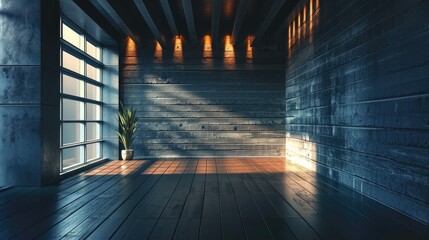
(205, 104)
(357, 99)
(29, 97)
(29, 93)
(20, 95)
(111, 101)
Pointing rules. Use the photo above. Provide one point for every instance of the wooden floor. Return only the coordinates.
(199, 198)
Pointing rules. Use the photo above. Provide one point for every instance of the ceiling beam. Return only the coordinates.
(114, 19)
(187, 8)
(284, 26)
(282, 29)
(169, 15)
(239, 19)
(268, 20)
(151, 24)
(216, 11)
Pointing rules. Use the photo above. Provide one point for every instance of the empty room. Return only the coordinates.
(214, 119)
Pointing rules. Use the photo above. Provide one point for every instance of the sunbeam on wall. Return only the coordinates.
(301, 150)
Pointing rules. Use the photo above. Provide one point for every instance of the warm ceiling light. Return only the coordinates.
(130, 45)
(158, 46)
(207, 50)
(228, 44)
(158, 51)
(178, 53)
(249, 43)
(177, 43)
(207, 43)
(249, 49)
(229, 54)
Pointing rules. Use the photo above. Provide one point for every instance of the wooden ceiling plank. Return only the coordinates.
(268, 20)
(151, 24)
(281, 30)
(114, 19)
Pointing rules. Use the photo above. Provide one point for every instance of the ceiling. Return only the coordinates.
(261, 21)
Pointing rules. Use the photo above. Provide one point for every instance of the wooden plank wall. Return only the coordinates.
(357, 98)
(205, 103)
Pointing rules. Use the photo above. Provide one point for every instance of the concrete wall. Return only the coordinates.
(29, 92)
(205, 103)
(111, 102)
(20, 95)
(357, 97)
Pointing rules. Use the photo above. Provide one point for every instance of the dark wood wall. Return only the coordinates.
(357, 98)
(205, 103)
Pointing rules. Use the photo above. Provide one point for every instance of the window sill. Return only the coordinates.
(82, 167)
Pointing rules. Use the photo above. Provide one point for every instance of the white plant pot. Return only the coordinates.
(127, 154)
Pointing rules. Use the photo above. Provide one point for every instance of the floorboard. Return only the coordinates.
(224, 198)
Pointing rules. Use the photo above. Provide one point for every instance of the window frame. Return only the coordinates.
(81, 54)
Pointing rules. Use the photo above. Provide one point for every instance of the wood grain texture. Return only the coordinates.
(223, 198)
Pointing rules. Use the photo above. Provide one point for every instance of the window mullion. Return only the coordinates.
(77, 47)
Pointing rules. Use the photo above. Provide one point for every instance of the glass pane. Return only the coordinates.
(93, 151)
(73, 86)
(93, 51)
(93, 92)
(92, 72)
(73, 110)
(93, 131)
(72, 156)
(73, 63)
(73, 37)
(93, 112)
(73, 133)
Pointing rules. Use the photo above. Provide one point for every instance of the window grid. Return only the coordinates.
(83, 102)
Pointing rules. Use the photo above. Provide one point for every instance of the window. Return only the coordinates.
(81, 98)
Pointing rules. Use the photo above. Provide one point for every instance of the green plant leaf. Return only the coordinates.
(127, 125)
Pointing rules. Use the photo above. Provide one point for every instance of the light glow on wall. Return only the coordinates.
(158, 51)
(207, 50)
(299, 27)
(207, 42)
(302, 24)
(178, 50)
(249, 49)
(228, 44)
(178, 43)
(130, 46)
(301, 151)
(228, 55)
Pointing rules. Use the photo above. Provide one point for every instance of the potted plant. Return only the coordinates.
(127, 127)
